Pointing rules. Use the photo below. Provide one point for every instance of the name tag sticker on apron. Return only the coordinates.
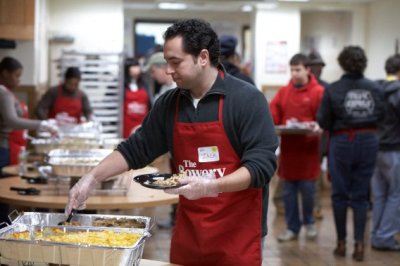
(208, 154)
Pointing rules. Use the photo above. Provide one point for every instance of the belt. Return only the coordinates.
(351, 132)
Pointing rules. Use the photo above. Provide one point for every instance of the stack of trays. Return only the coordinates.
(88, 130)
(75, 162)
(35, 237)
(45, 145)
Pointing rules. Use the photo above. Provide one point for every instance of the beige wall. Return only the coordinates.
(103, 25)
(327, 32)
(96, 25)
(25, 54)
(222, 22)
(276, 39)
(383, 29)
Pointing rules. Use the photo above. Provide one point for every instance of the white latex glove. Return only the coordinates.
(79, 193)
(49, 126)
(315, 127)
(196, 188)
(65, 119)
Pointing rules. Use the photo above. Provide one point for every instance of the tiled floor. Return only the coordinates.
(300, 252)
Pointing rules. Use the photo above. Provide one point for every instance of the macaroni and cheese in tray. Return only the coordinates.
(72, 245)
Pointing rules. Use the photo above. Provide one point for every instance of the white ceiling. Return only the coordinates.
(229, 5)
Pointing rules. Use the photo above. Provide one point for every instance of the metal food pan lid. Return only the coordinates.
(47, 218)
(74, 161)
(80, 153)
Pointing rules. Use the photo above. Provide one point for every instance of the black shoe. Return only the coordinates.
(358, 254)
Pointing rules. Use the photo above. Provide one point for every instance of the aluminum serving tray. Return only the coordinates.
(52, 219)
(81, 153)
(44, 146)
(63, 253)
(75, 162)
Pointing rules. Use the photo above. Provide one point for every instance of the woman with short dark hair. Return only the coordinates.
(13, 119)
(350, 110)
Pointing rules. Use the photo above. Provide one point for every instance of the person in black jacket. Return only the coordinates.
(350, 110)
(386, 178)
(230, 59)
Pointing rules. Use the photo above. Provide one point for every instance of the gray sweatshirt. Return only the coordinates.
(11, 116)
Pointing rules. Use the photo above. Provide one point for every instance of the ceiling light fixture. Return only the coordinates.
(172, 6)
(247, 8)
(294, 0)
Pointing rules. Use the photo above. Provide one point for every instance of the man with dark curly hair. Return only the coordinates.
(350, 110)
(224, 145)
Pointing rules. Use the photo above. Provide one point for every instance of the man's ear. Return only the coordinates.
(204, 57)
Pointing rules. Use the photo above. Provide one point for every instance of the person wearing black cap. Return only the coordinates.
(230, 58)
(66, 102)
(316, 65)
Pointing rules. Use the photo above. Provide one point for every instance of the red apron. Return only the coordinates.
(136, 107)
(223, 230)
(300, 155)
(71, 106)
(17, 138)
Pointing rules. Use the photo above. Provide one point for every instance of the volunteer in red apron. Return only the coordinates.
(299, 166)
(197, 237)
(17, 137)
(137, 100)
(65, 102)
(13, 119)
(226, 148)
(68, 105)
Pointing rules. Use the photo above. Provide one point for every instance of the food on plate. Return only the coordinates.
(113, 222)
(172, 181)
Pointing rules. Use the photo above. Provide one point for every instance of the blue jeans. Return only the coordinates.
(386, 199)
(4, 159)
(351, 165)
(290, 198)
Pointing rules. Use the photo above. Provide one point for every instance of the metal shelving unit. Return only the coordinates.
(102, 81)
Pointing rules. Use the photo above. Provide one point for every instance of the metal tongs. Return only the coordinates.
(26, 191)
(73, 212)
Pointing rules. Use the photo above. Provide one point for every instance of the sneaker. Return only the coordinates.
(287, 236)
(395, 247)
(311, 232)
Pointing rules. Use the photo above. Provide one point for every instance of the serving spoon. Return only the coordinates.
(73, 212)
